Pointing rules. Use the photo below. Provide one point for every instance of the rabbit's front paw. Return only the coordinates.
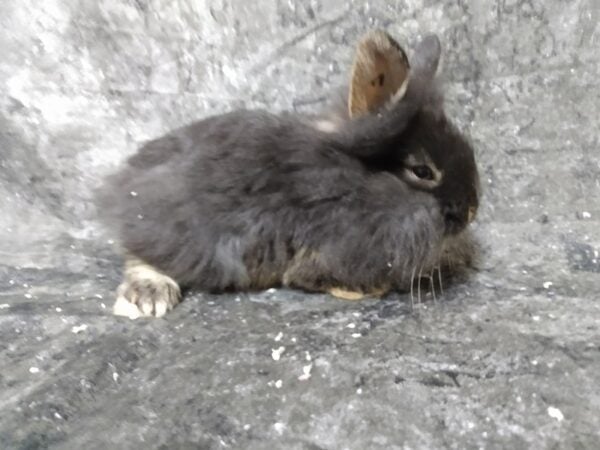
(146, 292)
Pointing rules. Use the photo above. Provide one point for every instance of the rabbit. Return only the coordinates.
(250, 200)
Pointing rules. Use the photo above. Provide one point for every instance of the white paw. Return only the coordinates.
(146, 293)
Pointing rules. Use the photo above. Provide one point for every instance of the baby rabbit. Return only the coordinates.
(251, 200)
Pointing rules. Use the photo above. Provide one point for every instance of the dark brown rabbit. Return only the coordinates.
(251, 200)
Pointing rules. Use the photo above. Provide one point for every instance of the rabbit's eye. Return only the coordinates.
(423, 172)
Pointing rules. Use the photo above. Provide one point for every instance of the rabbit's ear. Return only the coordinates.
(379, 73)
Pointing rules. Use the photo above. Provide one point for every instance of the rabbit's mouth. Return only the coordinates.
(459, 250)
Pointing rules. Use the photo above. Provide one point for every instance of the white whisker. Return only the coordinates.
(432, 285)
(412, 283)
(419, 285)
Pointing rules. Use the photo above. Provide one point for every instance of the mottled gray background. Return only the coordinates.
(510, 358)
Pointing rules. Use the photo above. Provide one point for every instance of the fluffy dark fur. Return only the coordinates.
(251, 200)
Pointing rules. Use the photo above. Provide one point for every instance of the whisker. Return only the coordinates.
(412, 283)
(432, 285)
(439, 271)
(419, 286)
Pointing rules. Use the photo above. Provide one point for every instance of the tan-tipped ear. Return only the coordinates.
(379, 73)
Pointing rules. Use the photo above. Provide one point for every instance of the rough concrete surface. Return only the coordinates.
(509, 359)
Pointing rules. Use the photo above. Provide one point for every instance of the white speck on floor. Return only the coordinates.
(278, 337)
(547, 284)
(4, 306)
(555, 413)
(279, 427)
(535, 318)
(28, 295)
(305, 372)
(277, 352)
(79, 328)
(359, 391)
(278, 384)
(356, 335)
(115, 376)
(58, 309)
(586, 215)
(34, 370)
(351, 325)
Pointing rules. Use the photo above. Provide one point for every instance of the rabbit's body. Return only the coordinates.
(251, 200)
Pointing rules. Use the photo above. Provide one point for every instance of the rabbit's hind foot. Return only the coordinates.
(145, 291)
(355, 295)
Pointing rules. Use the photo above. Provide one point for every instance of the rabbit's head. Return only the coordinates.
(429, 153)
(436, 158)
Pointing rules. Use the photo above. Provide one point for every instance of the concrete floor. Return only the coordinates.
(509, 359)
